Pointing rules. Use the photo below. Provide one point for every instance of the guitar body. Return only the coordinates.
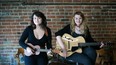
(26, 53)
(29, 54)
(37, 52)
(70, 42)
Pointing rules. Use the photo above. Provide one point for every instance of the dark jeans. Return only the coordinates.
(88, 57)
(36, 60)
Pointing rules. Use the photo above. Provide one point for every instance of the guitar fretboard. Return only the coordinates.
(88, 44)
(42, 50)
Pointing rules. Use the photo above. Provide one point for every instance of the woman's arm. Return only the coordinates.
(60, 42)
(23, 38)
(59, 35)
(90, 39)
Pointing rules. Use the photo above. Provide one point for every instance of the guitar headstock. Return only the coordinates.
(108, 44)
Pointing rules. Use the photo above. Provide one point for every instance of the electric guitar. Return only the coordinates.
(35, 50)
(74, 44)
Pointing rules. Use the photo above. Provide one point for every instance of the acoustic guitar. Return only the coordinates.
(35, 49)
(73, 44)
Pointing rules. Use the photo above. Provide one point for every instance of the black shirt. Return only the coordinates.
(28, 35)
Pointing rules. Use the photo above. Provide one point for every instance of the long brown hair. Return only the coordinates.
(83, 26)
(39, 14)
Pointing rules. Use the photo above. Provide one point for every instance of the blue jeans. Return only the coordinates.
(87, 57)
(36, 60)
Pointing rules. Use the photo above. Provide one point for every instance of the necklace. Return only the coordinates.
(78, 30)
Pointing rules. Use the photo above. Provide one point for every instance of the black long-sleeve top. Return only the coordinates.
(28, 35)
(88, 38)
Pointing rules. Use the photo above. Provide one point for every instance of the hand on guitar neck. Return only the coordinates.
(102, 45)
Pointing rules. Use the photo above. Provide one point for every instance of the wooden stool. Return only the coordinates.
(19, 51)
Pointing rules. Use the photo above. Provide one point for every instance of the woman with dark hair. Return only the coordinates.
(76, 28)
(35, 37)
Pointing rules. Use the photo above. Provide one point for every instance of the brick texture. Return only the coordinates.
(14, 17)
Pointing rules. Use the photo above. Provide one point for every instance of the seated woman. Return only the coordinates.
(78, 27)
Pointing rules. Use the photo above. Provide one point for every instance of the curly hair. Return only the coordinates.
(83, 26)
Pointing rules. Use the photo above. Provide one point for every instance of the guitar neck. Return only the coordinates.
(88, 44)
(42, 50)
